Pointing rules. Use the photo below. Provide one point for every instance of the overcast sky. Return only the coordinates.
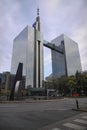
(57, 17)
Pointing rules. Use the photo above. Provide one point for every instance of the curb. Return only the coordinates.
(36, 101)
(83, 110)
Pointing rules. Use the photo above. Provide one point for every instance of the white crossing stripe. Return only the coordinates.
(84, 117)
(81, 121)
(74, 126)
(56, 129)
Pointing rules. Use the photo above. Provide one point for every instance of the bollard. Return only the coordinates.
(77, 104)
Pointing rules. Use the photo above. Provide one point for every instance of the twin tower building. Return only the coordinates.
(28, 49)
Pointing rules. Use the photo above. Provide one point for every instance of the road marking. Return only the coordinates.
(56, 129)
(74, 126)
(81, 121)
(84, 117)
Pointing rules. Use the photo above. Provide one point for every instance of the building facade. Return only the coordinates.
(68, 63)
(28, 49)
(5, 80)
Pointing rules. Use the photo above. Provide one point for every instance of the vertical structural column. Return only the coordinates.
(37, 62)
(65, 58)
(39, 66)
(38, 54)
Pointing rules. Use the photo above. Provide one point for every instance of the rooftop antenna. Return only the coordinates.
(37, 11)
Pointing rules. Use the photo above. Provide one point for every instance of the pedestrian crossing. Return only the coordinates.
(56, 129)
(81, 121)
(76, 124)
(84, 117)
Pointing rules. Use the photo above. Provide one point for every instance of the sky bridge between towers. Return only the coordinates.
(53, 47)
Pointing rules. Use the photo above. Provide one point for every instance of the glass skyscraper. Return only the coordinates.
(28, 49)
(67, 63)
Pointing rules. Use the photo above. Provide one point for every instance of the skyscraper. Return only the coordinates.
(68, 62)
(28, 49)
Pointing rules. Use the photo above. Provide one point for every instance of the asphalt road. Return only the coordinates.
(34, 116)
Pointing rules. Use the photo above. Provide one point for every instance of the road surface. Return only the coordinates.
(49, 115)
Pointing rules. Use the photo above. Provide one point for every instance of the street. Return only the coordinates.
(43, 115)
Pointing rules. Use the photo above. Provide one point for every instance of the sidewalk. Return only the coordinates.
(32, 101)
(83, 109)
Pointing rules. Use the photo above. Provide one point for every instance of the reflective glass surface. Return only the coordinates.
(24, 52)
(69, 62)
(19, 51)
(72, 56)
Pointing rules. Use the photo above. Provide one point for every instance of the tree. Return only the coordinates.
(81, 79)
(72, 84)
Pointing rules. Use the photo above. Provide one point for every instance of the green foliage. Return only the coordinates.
(69, 85)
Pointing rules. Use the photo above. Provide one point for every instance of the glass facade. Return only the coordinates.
(24, 51)
(19, 51)
(72, 56)
(68, 62)
(30, 58)
(28, 49)
(58, 65)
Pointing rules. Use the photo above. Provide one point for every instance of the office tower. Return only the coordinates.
(28, 49)
(5, 82)
(67, 63)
